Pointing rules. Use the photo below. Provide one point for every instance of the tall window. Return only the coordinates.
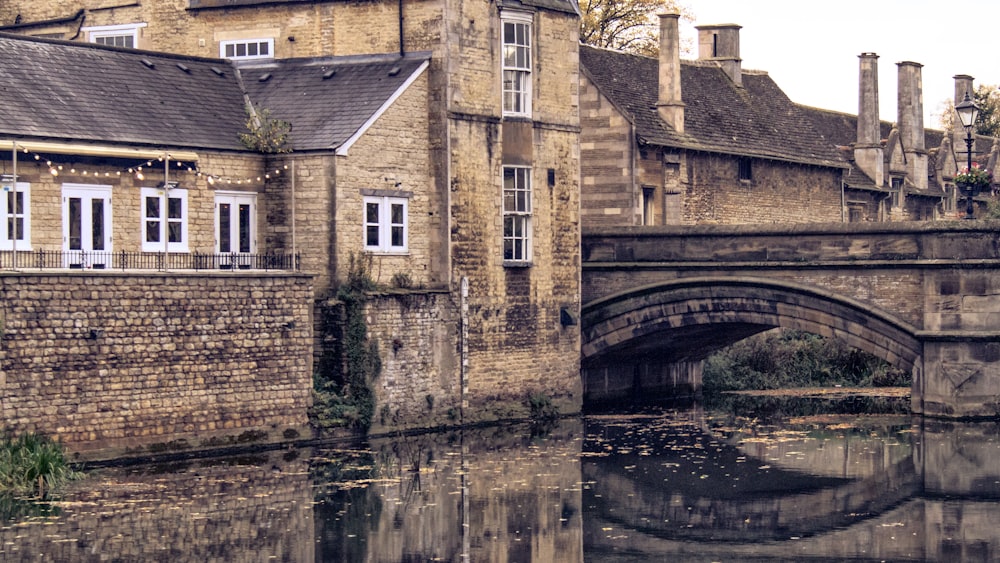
(516, 213)
(164, 219)
(247, 49)
(15, 209)
(386, 224)
(516, 64)
(126, 35)
(745, 168)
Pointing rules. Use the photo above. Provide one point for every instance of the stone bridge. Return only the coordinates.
(923, 296)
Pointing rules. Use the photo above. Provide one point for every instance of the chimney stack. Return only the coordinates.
(721, 43)
(868, 150)
(669, 103)
(910, 121)
(963, 85)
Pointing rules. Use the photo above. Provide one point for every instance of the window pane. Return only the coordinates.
(241, 49)
(252, 49)
(75, 226)
(152, 231)
(371, 212)
(225, 226)
(175, 233)
(97, 223)
(371, 235)
(244, 228)
(153, 207)
(264, 48)
(175, 208)
(230, 50)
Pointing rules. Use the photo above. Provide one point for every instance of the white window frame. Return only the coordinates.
(516, 62)
(9, 188)
(105, 31)
(246, 44)
(517, 223)
(383, 224)
(163, 221)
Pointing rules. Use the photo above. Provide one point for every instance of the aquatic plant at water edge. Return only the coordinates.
(32, 464)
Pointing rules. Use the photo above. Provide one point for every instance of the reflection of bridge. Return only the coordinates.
(923, 296)
(826, 497)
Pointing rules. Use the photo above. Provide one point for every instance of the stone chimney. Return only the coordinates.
(963, 85)
(669, 103)
(910, 120)
(868, 150)
(721, 43)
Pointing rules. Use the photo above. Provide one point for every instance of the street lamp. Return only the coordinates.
(968, 112)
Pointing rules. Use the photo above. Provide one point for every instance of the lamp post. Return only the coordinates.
(968, 112)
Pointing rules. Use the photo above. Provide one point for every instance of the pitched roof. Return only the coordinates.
(330, 100)
(86, 92)
(567, 6)
(756, 120)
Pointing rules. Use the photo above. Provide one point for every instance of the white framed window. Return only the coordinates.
(386, 224)
(15, 208)
(247, 49)
(164, 220)
(516, 214)
(126, 35)
(516, 63)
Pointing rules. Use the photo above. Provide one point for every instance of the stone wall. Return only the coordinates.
(127, 361)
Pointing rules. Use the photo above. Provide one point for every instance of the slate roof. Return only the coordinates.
(86, 92)
(567, 6)
(756, 120)
(82, 92)
(327, 100)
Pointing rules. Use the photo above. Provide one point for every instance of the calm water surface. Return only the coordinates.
(734, 481)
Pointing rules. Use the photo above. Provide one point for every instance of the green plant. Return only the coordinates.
(402, 280)
(32, 464)
(265, 134)
(342, 386)
(540, 407)
(974, 176)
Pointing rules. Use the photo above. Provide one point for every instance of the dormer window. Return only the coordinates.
(516, 63)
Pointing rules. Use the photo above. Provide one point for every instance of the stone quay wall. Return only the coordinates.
(113, 363)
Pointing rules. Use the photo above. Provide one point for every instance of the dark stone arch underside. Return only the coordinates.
(690, 318)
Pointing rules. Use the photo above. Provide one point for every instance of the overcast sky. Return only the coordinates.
(810, 48)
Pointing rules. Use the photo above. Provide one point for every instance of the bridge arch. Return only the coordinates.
(684, 320)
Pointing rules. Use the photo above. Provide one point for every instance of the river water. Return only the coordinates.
(782, 480)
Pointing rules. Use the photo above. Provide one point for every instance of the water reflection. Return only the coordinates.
(722, 482)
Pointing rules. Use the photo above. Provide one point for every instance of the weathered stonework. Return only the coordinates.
(130, 361)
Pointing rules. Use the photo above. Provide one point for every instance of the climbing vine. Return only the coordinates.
(342, 385)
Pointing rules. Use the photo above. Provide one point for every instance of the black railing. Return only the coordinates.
(84, 260)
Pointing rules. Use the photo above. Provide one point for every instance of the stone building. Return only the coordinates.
(671, 141)
(441, 144)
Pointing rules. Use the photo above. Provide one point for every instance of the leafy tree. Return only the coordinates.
(625, 25)
(987, 97)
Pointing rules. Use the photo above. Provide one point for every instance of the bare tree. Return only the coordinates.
(625, 25)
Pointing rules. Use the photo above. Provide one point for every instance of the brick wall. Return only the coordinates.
(115, 361)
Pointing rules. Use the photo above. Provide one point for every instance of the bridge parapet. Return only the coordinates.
(925, 296)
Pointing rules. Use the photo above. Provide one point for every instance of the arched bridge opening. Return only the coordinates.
(652, 340)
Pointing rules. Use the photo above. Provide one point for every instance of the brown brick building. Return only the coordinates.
(442, 142)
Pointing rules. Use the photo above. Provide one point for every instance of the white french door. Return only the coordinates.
(235, 228)
(86, 220)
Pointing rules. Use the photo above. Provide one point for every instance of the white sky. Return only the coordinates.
(810, 48)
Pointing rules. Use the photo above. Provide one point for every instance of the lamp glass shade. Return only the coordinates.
(967, 111)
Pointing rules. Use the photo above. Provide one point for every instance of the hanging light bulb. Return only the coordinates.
(53, 171)
(139, 176)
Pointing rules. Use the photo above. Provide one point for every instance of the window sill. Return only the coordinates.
(517, 264)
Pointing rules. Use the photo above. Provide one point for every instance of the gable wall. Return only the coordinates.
(607, 197)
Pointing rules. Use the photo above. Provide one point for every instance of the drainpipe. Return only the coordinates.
(843, 201)
(402, 50)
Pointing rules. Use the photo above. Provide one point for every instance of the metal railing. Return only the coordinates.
(122, 260)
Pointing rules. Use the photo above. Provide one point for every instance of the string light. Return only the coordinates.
(139, 173)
